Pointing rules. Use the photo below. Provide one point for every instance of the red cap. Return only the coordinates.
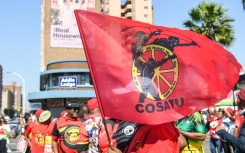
(93, 103)
(38, 112)
(241, 94)
(230, 110)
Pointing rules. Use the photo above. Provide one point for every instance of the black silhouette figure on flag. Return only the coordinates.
(146, 68)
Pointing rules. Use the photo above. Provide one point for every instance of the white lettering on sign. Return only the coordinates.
(68, 82)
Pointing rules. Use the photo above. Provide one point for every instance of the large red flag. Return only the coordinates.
(153, 74)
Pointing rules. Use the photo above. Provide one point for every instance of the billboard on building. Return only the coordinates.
(64, 32)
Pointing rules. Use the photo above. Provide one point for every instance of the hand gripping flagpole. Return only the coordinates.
(92, 75)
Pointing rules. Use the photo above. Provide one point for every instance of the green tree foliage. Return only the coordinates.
(210, 20)
(243, 4)
(9, 112)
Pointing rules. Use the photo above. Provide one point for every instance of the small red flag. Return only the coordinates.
(153, 74)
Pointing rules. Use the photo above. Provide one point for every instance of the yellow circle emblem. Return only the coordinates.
(157, 67)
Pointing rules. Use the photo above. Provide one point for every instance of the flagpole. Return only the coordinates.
(92, 75)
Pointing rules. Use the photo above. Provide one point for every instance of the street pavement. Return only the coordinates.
(13, 144)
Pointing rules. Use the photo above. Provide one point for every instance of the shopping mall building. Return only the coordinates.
(64, 70)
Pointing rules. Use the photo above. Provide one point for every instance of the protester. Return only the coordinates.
(120, 132)
(239, 142)
(228, 123)
(193, 129)
(22, 123)
(239, 119)
(93, 125)
(48, 137)
(157, 138)
(4, 132)
(84, 113)
(69, 134)
(215, 141)
(224, 121)
(38, 131)
(212, 112)
(7, 135)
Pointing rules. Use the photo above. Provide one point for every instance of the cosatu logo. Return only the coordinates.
(155, 72)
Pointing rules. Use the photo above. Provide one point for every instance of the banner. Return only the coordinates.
(153, 74)
(64, 31)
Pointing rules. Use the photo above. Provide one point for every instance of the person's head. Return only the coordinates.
(212, 110)
(45, 117)
(84, 111)
(72, 108)
(241, 99)
(93, 106)
(94, 141)
(230, 111)
(220, 113)
(38, 113)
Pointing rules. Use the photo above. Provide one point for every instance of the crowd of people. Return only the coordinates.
(82, 129)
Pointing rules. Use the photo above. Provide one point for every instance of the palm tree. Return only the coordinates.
(243, 4)
(210, 20)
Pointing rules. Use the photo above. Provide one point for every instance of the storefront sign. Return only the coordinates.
(68, 82)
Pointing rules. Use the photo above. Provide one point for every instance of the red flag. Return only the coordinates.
(153, 74)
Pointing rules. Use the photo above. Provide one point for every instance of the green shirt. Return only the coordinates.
(193, 123)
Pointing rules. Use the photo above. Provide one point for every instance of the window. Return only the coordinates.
(55, 79)
(145, 15)
(145, 7)
(81, 79)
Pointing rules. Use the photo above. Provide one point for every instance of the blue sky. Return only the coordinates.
(20, 40)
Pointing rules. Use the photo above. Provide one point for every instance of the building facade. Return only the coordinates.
(11, 97)
(64, 70)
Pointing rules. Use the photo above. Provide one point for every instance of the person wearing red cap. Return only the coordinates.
(237, 142)
(93, 125)
(38, 131)
(120, 132)
(69, 134)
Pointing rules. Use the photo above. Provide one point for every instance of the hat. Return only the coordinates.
(93, 103)
(72, 103)
(241, 94)
(230, 110)
(38, 112)
(44, 116)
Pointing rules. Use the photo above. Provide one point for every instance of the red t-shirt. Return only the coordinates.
(155, 138)
(38, 132)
